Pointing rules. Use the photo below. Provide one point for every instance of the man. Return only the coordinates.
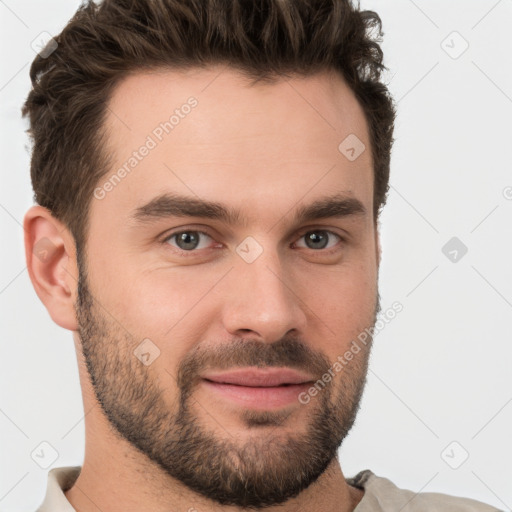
(188, 156)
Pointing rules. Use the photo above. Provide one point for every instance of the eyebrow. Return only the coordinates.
(174, 205)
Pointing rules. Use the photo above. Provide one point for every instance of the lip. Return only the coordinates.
(261, 389)
(258, 377)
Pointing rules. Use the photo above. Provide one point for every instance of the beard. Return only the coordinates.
(270, 465)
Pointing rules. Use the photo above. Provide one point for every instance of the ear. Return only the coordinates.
(51, 262)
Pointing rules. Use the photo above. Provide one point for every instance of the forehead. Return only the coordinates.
(207, 132)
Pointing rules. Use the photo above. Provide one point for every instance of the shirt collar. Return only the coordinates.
(59, 480)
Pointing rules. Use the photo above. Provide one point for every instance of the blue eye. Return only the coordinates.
(193, 240)
(319, 239)
(187, 240)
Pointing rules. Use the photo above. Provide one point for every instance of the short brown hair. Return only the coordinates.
(264, 39)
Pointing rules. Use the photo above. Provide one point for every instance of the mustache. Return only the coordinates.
(289, 352)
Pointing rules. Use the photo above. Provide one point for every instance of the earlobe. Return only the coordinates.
(51, 263)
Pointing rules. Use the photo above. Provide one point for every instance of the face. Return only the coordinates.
(241, 239)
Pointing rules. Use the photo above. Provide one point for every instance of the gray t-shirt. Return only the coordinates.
(380, 495)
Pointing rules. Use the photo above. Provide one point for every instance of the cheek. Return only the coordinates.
(161, 303)
(343, 300)
(344, 287)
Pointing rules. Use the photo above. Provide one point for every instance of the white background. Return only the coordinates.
(441, 371)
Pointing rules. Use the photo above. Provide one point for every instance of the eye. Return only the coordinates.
(319, 239)
(187, 241)
(190, 241)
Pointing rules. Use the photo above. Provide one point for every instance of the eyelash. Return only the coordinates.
(193, 252)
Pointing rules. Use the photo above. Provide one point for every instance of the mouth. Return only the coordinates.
(258, 388)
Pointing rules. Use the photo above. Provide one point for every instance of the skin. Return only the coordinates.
(265, 150)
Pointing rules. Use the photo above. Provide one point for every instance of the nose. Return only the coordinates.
(262, 300)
